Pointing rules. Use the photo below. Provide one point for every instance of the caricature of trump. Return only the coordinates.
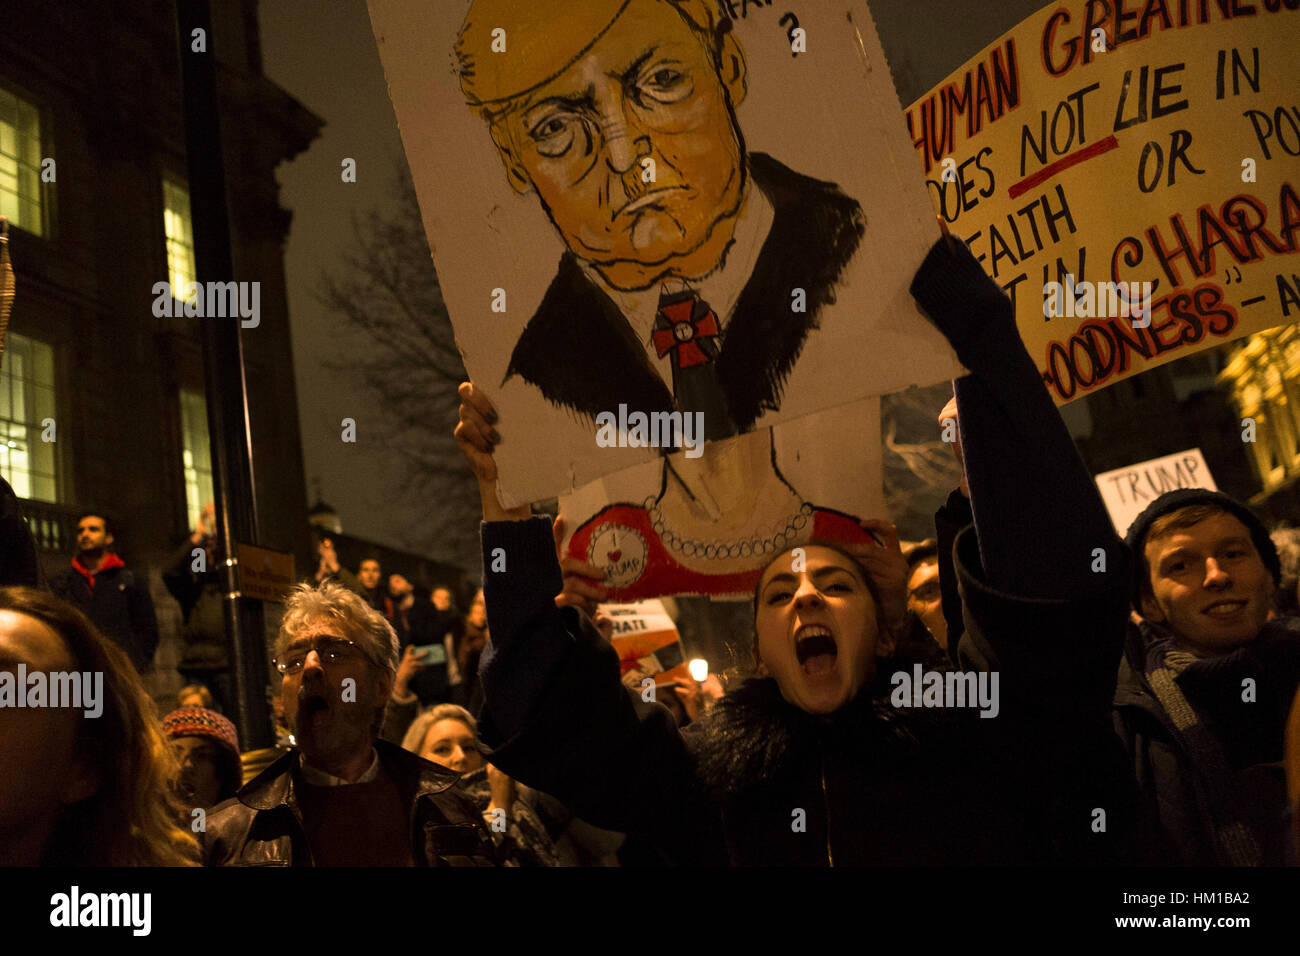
(684, 252)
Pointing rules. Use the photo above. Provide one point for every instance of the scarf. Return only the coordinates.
(1212, 777)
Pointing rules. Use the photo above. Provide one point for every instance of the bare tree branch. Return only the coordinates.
(396, 340)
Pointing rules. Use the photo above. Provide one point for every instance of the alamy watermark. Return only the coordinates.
(210, 300)
(1100, 300)
(948, 689)
(75, 908)
(82, 691)
(651, 430)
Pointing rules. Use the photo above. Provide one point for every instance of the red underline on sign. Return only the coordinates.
(1065, 162)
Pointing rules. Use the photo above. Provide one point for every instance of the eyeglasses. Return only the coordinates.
(331, 650)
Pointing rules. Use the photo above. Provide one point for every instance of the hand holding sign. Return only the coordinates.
(478, 440)
(580, 577)
(888, 569)
(948, 425)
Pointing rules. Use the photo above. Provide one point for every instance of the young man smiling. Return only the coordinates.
(1206, 683)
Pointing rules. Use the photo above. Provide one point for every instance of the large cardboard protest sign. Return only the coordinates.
(1127, 491)
(641, 209)
(1104, 144)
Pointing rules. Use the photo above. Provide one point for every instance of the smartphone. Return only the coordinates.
(433, 653)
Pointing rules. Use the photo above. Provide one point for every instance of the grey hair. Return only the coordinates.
(359, 621)
(419, 729)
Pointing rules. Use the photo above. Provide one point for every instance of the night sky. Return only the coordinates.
(324, 55)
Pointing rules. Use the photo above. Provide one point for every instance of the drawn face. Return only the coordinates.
(1211, 588)
(817, 632)
(647, 89)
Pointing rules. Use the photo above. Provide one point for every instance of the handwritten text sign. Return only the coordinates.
(1127, 491)
(646, 640)
(1120, 143)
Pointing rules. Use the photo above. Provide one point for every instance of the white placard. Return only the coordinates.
(1127, 491)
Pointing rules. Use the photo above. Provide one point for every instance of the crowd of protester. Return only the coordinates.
(1144, 686)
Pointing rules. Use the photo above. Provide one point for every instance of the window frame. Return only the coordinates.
(46, 192)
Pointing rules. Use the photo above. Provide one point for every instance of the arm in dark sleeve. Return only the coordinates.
(556, 712)
(1038, 516)
(18, 564)
(949, 520)
(185, 586)
(1056, 663)
(1040, 608)
(144, 621)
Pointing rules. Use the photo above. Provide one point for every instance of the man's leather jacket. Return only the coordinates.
(262, 824)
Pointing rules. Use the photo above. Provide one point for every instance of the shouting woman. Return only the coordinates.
(819, 758)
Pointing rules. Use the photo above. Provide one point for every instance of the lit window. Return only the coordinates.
(27, 458)
(196, 453)
(20, 163)
(179, 229)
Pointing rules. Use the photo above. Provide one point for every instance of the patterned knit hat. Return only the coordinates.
(200, 722)
(1171, 501)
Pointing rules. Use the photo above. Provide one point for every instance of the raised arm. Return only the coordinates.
(556, 713)
(1038, 516)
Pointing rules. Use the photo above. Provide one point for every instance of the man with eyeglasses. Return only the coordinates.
(620, 116)
(342, 797)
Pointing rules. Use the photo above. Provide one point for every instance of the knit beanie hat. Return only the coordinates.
(1171, 501)
(200, 722)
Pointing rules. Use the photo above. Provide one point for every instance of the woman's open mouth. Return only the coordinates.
(814, 646)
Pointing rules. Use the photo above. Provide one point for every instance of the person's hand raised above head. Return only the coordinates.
(478, 438)
(329, 559)
(947, 416)
(412, 663)
(581, 589)
(475, 432)
(206, 525)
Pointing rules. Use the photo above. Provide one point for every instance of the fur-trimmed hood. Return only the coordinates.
(754, 737)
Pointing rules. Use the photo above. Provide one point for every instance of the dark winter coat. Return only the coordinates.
(1177, 824)
(119, 605)
(18, 564)
(199, 595)
(262, 824)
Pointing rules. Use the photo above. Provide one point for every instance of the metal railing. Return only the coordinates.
(53, 526)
